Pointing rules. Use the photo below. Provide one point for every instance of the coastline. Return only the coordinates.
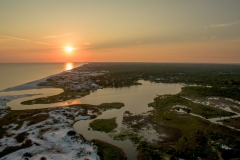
(29, 85)
(34, 77)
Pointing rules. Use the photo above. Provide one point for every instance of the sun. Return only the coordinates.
(69, 49)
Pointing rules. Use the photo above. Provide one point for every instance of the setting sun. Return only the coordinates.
(69, 49)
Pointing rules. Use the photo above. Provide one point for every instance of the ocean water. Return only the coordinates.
(14, 74)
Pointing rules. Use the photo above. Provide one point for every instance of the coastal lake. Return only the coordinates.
(135, 99)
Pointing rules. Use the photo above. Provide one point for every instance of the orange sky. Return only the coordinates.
(118, 31)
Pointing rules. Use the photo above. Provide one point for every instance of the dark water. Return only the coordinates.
(13, 74)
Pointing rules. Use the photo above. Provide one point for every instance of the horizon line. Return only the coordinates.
(129, 62)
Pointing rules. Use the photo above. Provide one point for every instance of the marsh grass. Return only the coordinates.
(19, 117)
(169, 101)
(123, 135)
(108, 151)
(114, 105)
(233, 122)
(104, 125)
(186, 123)
(201, 91)
(64, 96)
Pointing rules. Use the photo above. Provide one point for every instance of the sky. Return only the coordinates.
(204, 31)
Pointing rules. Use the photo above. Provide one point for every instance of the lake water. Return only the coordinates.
(13, 74)
(135, 99)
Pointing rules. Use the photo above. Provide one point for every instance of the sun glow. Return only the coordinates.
(68, 66)
(69, 49)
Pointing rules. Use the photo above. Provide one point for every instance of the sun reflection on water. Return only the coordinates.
(68, 66)
(69, 102)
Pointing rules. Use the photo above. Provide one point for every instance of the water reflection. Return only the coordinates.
(68, 66)
(69, 102)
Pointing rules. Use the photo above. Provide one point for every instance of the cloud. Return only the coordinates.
(56, 36)
(4, 40)
(21, 39)
(223, 24)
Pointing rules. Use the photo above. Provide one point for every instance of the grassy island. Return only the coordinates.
(104, 125)
(107, 106)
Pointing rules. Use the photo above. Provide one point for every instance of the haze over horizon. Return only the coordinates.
(120, 31)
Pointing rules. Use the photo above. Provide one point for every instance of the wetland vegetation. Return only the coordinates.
(65, 95)
(104, 125)
(180, 133)
(127, 74)
(107, 151)
(185, 136)
(114, 105)
(233, 122)
(176, 102)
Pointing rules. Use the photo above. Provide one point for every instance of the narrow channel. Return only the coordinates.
(135, 99)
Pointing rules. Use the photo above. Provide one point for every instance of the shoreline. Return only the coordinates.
(29, 85)
(34, 84)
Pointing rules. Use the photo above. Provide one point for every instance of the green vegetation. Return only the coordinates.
(66, 95)
(11, 149)
(187, 124)
(189, 136)
(163, 103)
(104, 125)
(107, 106)
(21, 137)
(230, 92)
(235, 109)
(107, 151)
(195, 131)
(195, 145)
(123, 135)
(233, 122)
(127, 74)
(19, 117)
(149, 151)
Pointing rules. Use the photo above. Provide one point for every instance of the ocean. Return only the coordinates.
(14, 74)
